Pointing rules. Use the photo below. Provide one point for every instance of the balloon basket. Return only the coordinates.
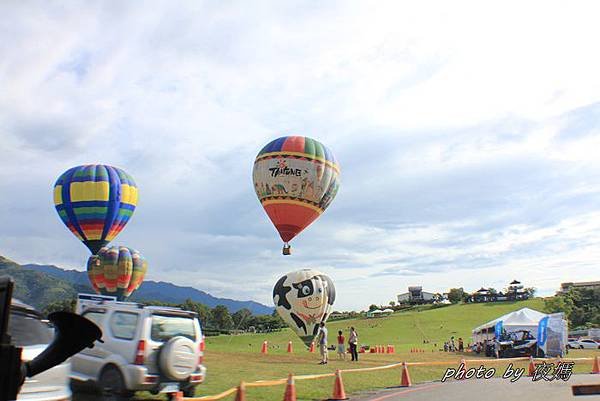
(287, 250)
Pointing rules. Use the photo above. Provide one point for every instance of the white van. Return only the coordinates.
(152, 348)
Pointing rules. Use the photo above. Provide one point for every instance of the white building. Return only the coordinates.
(416, 294)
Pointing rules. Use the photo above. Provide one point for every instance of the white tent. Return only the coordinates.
(522, 319)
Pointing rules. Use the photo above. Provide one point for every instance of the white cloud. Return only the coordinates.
(466, 132)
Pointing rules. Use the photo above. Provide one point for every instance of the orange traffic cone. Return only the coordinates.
(405, 379)
(531, 366)
(312, 347)
(290, 389)
(178, 396)
(338, 387)
(596, 367)
(240, 395)
(290, 349)
(264, 348)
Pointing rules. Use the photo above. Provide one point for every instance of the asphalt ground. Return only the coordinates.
(492, 389)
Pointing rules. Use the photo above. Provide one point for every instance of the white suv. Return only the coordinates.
(157, 349)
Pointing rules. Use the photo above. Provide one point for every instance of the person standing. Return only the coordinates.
(341, 351)
(353, 341)
(323, 343)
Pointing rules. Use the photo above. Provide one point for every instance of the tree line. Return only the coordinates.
(217, 320)
(580, 305)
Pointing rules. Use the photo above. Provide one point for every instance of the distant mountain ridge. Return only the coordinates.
(50, 277)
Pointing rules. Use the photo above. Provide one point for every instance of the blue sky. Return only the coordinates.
(467, 136)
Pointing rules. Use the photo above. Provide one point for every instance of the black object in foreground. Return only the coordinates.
(73, 334)
(586, 389)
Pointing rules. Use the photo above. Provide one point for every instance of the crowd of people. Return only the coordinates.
(341, 344)
(453, 346)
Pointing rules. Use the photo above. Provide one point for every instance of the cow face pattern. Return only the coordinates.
(304, 299)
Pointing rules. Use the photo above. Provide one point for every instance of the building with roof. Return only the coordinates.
(588, 285)
(416, 295)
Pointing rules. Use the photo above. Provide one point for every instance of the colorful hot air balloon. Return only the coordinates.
(95, 202)
(116, 271)
(295, 179)
(304, 299)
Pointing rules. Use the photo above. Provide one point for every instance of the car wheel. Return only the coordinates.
(112, 385)
(581, 347)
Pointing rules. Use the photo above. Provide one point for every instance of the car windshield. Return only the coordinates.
(165, 327)
(26, 329)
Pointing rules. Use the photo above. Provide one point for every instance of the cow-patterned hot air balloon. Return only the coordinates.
(116, 271)
(95, 202)
(295, 179)
(304, 299)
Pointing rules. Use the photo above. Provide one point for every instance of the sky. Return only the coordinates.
(467, 135)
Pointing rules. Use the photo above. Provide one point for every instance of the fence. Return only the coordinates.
(278, 382)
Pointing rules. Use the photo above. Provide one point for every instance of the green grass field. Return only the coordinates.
(231, 359)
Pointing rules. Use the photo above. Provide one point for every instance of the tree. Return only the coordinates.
(65, 305)
(392, 304)
(241, 318)
(202, 310)
(456, 295)
(373, 307)
(221, 318)
(581, 306)
(530, 292)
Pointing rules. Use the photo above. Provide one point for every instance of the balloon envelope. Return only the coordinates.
(295, 179)
(95, 202)
(116, 271)
(304, 299)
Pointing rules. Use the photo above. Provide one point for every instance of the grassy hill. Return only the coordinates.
(35, 288)
(231, 359)
(404, 329)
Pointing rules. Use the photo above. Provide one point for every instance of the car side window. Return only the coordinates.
(123, 325)
(95, 317)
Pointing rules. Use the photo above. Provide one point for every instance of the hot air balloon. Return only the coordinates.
(116, 271)
(304, 299)
(295, 179)
(95, 202)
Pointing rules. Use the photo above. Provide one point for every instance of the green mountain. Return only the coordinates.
(39, 285)
(35, 288)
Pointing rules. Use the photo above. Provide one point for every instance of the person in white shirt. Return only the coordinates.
(353, 341)
(323, 343)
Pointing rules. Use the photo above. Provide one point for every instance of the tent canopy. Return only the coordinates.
(521, 319)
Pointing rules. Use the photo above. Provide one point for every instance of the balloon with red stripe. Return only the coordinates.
(117, 271)
(295, 179)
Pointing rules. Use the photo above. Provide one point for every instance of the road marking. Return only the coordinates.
(409, 390)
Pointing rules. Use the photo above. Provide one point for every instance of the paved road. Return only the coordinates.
(493, 389)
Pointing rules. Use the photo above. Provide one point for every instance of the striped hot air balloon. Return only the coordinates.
(116, 271)
(95, 202)
(295, 179)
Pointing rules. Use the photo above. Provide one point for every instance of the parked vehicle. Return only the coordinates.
(573, 343)
(157, 349)
(515, 344)
(29, 330)
(588, 343)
